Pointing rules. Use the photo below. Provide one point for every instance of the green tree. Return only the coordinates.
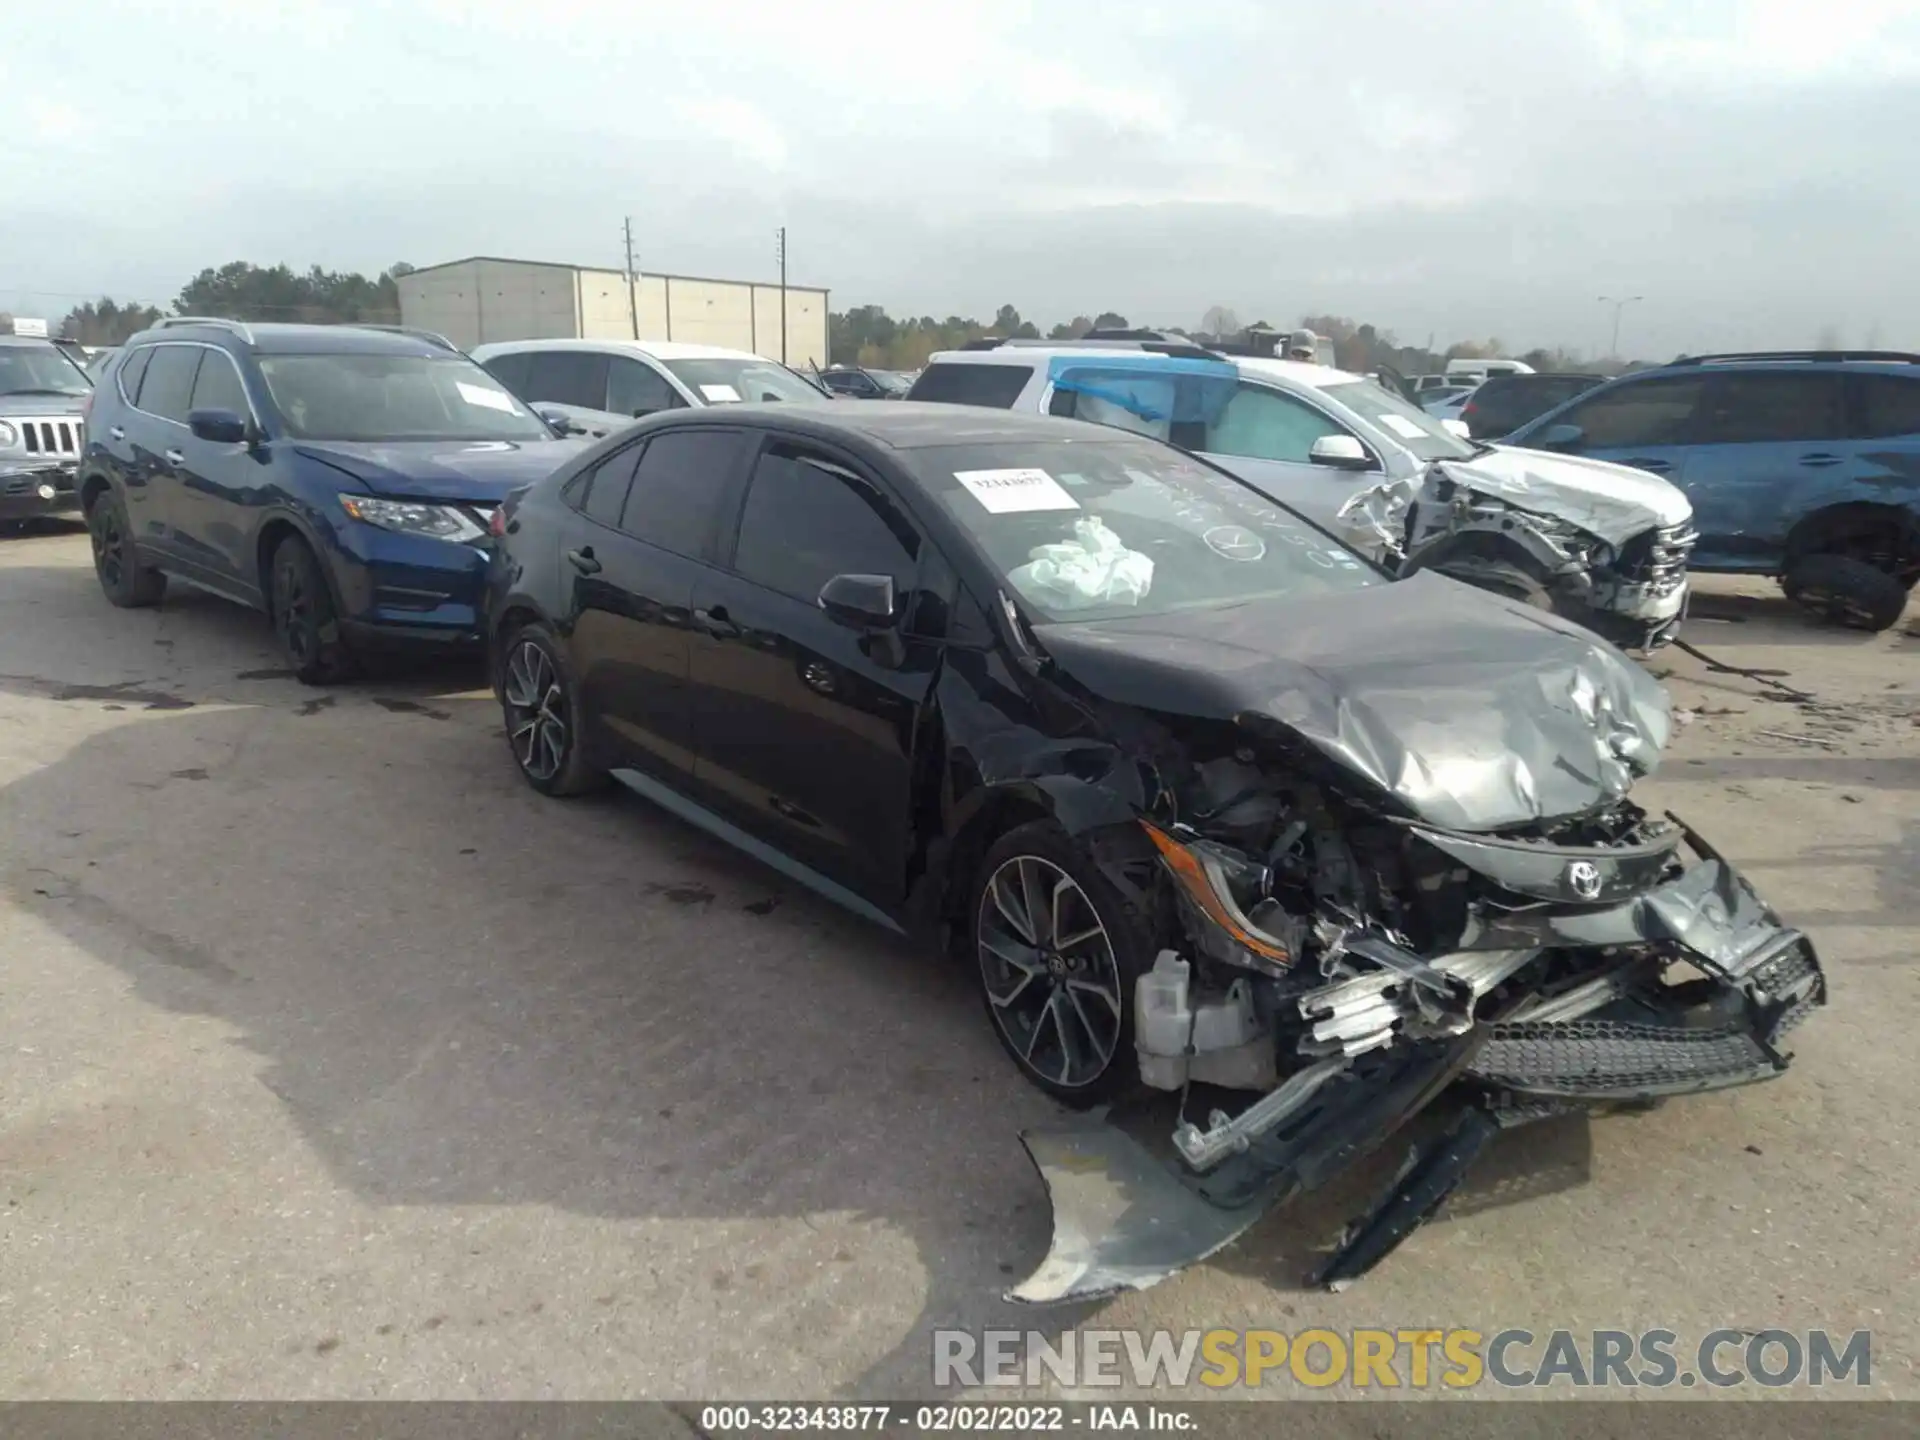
(243, 291)
(106, 321)
(1108, 320)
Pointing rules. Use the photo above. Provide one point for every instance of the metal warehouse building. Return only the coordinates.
(483, 299)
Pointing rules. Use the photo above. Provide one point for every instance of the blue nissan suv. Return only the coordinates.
(1804, 465)
(340, 478)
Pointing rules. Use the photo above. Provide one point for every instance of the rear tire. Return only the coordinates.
(1844, 591)
(127, 584)
(304, 617)
(1058, 950)
(540, 704)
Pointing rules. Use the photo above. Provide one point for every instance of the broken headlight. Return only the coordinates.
(1229, 891)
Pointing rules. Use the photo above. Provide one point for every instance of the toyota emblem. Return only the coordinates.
(1583, 878)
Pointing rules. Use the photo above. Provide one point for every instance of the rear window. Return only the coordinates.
(994, 386)
(1889, 405)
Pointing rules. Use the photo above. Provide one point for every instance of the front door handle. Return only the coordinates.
(118, 432)
(175, 457)
(717, 623)
(583, 561)
(1643, 462)
(1821, 458)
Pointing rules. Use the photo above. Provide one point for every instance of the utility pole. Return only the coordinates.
(780, 237)
(633, 306)
(1619, 304)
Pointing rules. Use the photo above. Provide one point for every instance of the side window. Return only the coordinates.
(218, 387)
(1771, 406)
(1642, 412)
(131, 370)
(510, 370)
(167, 390)
(1885, 406)
(809, 518)
(1263, 424)
(607, 486)
(679, 486)
(636, 389)
(567, 377)
(994, 386)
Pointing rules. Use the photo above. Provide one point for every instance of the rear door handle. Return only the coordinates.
(118, 433)
(1659, 467)
(174, 457)
(716, 623)
(583, 561)
(1820, 459)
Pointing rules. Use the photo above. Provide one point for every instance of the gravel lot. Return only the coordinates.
(336, 1063)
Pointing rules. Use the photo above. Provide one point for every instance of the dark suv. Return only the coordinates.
(339, 478)
(1800, 464)
(1501, 404)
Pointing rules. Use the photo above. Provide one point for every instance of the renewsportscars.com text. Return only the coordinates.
(1418, 1359)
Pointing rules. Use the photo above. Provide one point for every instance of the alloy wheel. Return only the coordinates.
(109, 543)
(293, 612)
(536, 704)
(1049, 970)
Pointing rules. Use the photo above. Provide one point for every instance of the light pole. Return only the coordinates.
(1618, 305)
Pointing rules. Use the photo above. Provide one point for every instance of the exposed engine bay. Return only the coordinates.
(1489, 531)
(1333, 965)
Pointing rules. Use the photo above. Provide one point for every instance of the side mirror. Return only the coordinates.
(221, 427)
(1457, 427)
(557, 420)
(1340, 452)
(1560, 437)
(860, 602)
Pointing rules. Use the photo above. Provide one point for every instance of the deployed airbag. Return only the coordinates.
(1094, 568)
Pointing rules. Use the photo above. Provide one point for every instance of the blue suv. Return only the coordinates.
(342, 479)
(1803, 465)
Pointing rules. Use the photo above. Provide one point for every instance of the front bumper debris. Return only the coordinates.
(1383, 1044)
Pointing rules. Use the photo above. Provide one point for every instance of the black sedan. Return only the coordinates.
(1208, 802)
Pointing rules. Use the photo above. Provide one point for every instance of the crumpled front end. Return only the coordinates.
(1519, 540)
(1337, 971)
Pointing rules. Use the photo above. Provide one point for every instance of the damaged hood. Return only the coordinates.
(1473, 712)
(1615, 502)
(478, 470)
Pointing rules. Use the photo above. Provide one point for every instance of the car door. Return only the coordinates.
(646, 521)
(1646, 423)
(111, 427)
(219, 488)
(574, 382)
(1763, 438)
(806, 728)
(156, 436)
(1265, 436)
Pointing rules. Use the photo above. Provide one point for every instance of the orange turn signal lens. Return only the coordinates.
(1206, 885)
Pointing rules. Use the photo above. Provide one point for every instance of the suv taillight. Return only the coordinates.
(497, 523)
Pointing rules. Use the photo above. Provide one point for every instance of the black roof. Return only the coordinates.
(900, 424)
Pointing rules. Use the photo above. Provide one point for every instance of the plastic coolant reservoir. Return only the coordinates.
(1163, 1022)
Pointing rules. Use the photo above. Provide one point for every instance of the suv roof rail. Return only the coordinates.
(1179, 349)
(432, 337)
(1896, 356)
(238, 327)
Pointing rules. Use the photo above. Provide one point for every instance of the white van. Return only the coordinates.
(1471, 371)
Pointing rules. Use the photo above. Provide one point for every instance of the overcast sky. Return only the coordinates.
(1473, 168)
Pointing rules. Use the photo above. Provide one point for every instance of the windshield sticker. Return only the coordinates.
(719, 394)
(1403, 427)
(1235, 542)
(1009, 492)
(490, 399)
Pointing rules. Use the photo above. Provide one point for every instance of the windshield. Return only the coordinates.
(40, 370)
(394, 398)
(1399, 420)
(727, 382)
(1091, 530)
(892, 381)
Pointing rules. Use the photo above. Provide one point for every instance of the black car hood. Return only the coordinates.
(1473, 712)
(483, 470)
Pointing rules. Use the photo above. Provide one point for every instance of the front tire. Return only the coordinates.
(1846, 591)
(304, 617)
(1058, 950)
(541, 706)
(127, 584)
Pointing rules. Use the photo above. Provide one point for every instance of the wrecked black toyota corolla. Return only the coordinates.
(1208, 802)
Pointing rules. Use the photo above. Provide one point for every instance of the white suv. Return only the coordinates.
(599, 386)
(1601, 544)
